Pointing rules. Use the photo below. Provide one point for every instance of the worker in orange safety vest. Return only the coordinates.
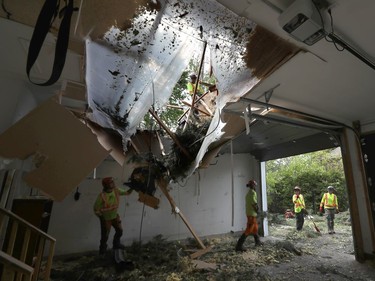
(105, 207)
(329, 202)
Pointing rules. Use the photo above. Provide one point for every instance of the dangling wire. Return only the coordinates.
(198, 186)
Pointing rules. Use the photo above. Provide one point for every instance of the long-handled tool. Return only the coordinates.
(315, 226)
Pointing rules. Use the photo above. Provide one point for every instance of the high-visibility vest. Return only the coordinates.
(329, 201)
(191, 88)
(299, 203)
(107, 204)
(107, 207)
(251, 201)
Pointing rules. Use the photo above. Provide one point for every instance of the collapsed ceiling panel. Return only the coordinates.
(131, 70)
(134, 60)
(63, 150)
(134, 69)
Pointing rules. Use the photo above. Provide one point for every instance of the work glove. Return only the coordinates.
(256, 208)
(321, 209)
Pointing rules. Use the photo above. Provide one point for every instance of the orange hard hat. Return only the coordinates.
(251, 183)
(107, 181)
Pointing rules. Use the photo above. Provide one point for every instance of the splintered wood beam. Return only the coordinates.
(196, 84)
(171, 134)
(199, 253)
(175, 106)
(183, 114)
(148, 200)
(202, 96)
(162, 183)
(200, 110)
(187, 110)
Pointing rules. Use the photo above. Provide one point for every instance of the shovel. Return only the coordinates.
(315, 226)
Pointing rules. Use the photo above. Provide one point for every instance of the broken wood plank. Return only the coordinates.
(175, 106)
(64, 145)
(187, 110)
(162, 183)
(200, 110)
(148, 200)
(200, 252)
(196, 84)
(198, 264)
(171, 134)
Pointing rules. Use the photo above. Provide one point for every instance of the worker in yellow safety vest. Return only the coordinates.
(331, 207)
(105, 207)
(299, 207)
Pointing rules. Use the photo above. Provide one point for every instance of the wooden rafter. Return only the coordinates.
(170, 133)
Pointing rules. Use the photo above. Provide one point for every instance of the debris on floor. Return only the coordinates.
(286, 254)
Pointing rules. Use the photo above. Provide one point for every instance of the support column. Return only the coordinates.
(360, 209)
(264, 209)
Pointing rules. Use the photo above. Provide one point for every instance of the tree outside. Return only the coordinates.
(313, 172)
(171, 113)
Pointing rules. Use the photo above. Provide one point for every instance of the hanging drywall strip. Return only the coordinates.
(64, 150)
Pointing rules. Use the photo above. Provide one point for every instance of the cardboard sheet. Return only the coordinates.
(63, 149)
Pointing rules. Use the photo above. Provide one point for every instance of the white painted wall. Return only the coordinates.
(205, 201)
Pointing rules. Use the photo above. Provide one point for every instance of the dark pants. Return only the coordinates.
(105, 227)
(300, 219)
(330, 219)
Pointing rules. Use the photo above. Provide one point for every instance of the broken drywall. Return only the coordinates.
(64, 151)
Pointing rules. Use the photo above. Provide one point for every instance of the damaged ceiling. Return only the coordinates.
(124, 59)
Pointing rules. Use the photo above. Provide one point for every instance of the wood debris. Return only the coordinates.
(285, 255)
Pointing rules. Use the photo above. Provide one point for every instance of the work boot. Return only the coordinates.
(257, 240)
(239, 246)
(118, 246)
(102, 249)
